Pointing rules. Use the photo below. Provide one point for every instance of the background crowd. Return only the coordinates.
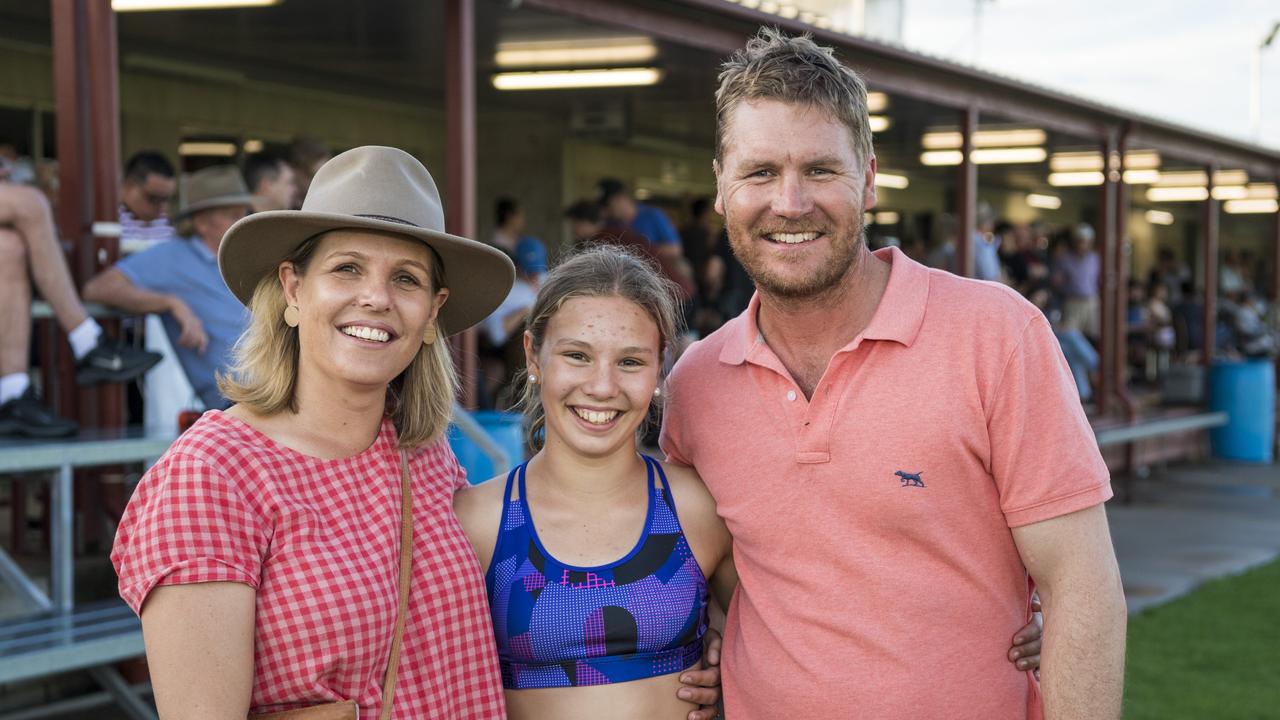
(171, 228)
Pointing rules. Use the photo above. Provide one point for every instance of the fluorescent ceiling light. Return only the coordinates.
(1177, 194)
(886, 217)
(1159, 217)
(1141, 177)
(877, 102)
(253, 146)
(1044, 202)
(591, 52)
(148, 5)
(1254, 205)
(1075, 179)
(1092, 160)
(1230, 192)
(1069, 161)
(560, 79)
(1262, 190)
(1230, 177)
(941, 157)
(889, 180)
(207, 149)
(879, 123)
(1008, 155)
(1183, 178)
(985, 156)
(1142, 160)
(1003, 137)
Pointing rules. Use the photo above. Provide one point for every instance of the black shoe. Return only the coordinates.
(114, 363)
(25, 415)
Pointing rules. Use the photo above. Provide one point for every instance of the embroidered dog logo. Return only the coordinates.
(910, 479)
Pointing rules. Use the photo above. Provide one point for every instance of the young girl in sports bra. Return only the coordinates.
(599, 560)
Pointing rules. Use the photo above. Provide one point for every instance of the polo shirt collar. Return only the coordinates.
(898, 317)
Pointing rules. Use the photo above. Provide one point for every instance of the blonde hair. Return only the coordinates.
(774, 66)
(601, 271)
(264, 370)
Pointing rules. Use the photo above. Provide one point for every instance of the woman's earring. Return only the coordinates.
(292, 316)
(431, 335)
(657, 392)
(533, 379)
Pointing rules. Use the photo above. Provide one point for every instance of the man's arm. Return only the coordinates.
(112, 287)
(1074, 566)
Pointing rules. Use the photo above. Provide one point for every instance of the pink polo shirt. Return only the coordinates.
(879, 578)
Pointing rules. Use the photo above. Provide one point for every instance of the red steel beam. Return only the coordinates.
(1119, 317)
(1110, 285)
(966, 194)
(103, 133)
(460, 129)
(74, 211)
(1210, 237)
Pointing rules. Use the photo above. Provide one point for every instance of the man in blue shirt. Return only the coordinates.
(623, 211)
(179, 280)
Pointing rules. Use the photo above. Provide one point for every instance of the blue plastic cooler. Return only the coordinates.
(1246, 391)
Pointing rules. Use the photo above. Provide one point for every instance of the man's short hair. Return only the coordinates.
(793, 70)
(610, 188)
(504, 208)
(147, 162)
(259, 167)
(584, 211)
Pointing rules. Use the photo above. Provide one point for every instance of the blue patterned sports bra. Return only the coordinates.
(560, 625)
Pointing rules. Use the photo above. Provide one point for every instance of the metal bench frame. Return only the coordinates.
(63, 637)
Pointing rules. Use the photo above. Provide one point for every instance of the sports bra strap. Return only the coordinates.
(654, 465)
(506, 497)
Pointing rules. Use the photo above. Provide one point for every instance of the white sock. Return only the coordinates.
(12, 386)
(84, 338)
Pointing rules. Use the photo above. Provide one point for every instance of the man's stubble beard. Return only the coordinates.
(845, 252)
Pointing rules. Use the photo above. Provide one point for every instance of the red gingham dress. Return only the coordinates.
(319, 541)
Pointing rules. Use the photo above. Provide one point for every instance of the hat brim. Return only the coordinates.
(224, 201)
(479, 277)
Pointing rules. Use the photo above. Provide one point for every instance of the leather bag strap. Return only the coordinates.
(406, 562)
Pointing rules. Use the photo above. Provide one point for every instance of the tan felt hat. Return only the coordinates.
(371, 188)
(212, 187)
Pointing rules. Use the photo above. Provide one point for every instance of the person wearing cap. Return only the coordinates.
(262, 552)
(179, 280)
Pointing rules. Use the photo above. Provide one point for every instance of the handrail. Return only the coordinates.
(477, 434)
(1117, 434)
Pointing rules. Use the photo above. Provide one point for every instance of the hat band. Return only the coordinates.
(388, 218)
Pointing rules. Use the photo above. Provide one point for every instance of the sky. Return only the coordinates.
(1184, 61)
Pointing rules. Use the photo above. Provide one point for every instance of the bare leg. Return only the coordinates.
(15, 304)
(27, 211)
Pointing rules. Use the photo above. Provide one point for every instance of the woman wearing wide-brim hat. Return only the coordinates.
(264, 550)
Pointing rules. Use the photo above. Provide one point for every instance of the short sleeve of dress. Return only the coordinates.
(187, 523)
(1044, 456)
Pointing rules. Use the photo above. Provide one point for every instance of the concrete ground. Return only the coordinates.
(1191, 523)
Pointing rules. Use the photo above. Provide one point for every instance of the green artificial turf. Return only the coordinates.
(1212, 655)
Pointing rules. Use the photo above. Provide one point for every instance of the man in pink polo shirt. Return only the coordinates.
(899, 453)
